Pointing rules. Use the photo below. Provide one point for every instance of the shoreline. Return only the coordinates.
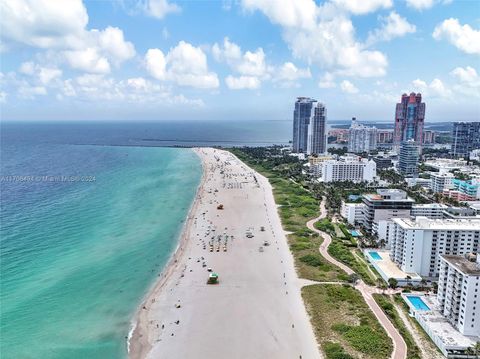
(259, 289)
(165, 274)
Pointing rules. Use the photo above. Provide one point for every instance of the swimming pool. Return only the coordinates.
(417, 302)
(355, 233)
(375, 256)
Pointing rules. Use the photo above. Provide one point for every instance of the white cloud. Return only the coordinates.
(327, 81)
(393, 26)
(464, 37)
(43, 23)
(326, 36)
(27, 68)
(420, 4)
(288, 13)
(187, 66)
(3, 97)
(347, 87)
(289, 72)
(155, 63)
(88, 60)
(184, 64)
(468, 81)
(242, 82)
(43, 74)
(467, 74)
(436, 88)
(160, 8)
(114, 46)
(361, 7)
(30, 92)
(48, 74)
(61, 26)
(248, 63)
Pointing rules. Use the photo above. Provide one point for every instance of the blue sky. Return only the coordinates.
(232, 60)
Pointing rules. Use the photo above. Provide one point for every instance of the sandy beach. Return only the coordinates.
(256, 310)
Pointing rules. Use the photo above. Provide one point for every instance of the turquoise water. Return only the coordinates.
(417, 302)
(78, 257)
(375, 256)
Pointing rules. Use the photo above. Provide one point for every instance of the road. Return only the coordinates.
(399, 345)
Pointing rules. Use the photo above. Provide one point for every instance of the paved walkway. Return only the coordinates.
(399, 345)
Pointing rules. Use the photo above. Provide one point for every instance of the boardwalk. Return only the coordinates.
(399, 345)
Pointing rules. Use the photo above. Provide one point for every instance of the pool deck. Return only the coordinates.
(442, 333)
(388, 269)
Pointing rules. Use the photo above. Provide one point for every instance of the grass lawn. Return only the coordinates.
(343, 323)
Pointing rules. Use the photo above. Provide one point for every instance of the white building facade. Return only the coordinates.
(430, 210)
(440, 182)
(417, 244)
(352, 212)
(349, 168)
(459, 292)
(361, 138)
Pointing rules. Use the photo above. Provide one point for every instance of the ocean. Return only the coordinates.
(90, 214)
(85, 231)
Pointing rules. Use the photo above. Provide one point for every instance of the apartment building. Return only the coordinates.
(417, 244)
(459, 292)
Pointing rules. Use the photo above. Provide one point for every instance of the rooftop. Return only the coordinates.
(431, 205)
(470, 224)
(463, 264)
(441, 328)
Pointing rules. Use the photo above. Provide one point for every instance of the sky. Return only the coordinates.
(236, 60)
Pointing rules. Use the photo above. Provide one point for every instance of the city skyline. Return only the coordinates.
(159, 59)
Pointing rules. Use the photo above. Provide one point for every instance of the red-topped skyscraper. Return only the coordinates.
(409, 119)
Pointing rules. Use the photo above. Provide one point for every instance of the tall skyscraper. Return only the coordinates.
(301, 122)
(409, 119)
(309, 118)
(465, 138)
(408, 159)
(361, 138)
(317, 130)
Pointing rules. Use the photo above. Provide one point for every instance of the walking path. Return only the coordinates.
(399, 345)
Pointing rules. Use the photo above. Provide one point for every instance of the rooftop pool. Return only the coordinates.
(375, 256)
(417, 302)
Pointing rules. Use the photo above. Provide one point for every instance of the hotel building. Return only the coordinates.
(349, 168)
(417, 244)
(385, 205)
(459, 292)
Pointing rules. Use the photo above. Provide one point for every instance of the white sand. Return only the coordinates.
(256, 310)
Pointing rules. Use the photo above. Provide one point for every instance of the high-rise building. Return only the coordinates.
(309, 119)
(384, 137)
(465, 138)
(458, 285)
(429, 137)
(408, 159)
(361, 138)
(409, 119)
(318, 140)
(416, 245)
(385, 205)
(349, 168)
